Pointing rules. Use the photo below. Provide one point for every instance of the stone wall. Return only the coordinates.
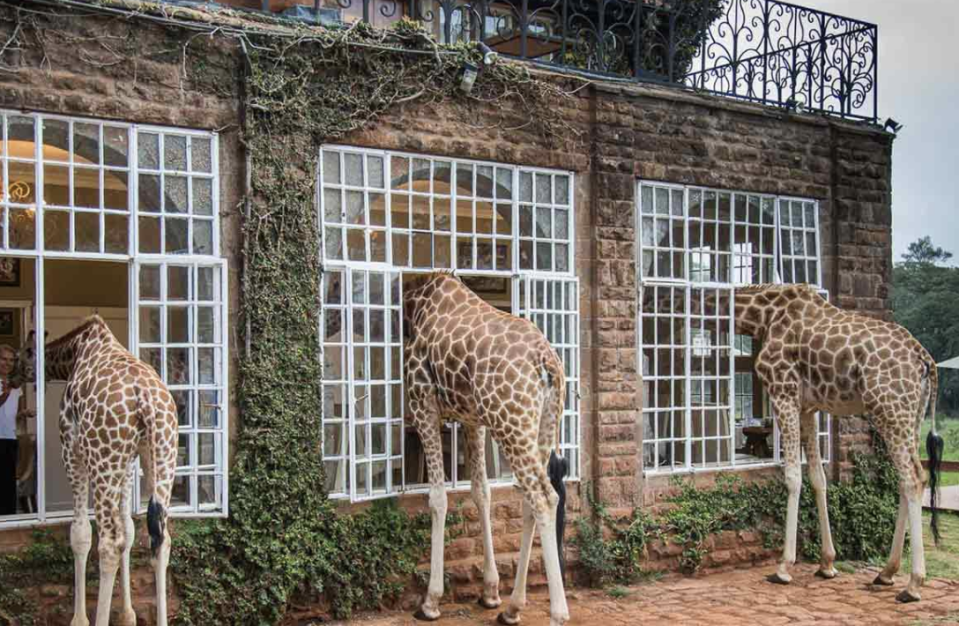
(664, 135)
(616, 135)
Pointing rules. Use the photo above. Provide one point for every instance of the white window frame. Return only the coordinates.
(560, 324)
(194, 386)
(559, 236)
(685, 282)
(132, 257)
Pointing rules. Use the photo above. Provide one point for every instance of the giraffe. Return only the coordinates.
(487, 369)
(114, 407)
(817, 357)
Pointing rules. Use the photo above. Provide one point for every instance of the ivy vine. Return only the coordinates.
(301, 87)
(862, 515)
(283, 536)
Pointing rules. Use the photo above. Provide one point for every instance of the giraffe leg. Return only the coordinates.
(81, 538)
(545, 514)
(789, 429)
(476, 440)
(160, 562)
(918, 575)
(517, 601)
(542, 501)
(161, 486)
(817, 476)
(885, 578)
(428, 426)
(128, 616)
(106, 497)
(911, 486)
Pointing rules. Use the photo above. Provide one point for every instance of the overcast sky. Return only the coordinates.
(919, 88)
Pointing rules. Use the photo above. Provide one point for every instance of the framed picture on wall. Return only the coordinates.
(6, 322)
(9, 272)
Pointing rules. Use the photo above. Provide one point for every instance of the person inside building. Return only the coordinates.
(12, 404)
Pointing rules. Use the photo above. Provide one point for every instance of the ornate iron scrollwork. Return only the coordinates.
(766, 51)
(783, 54)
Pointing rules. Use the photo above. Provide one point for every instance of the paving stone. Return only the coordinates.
(731, 598)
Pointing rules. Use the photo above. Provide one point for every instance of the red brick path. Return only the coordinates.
(736, 598)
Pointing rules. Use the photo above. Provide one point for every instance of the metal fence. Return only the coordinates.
(764, 51)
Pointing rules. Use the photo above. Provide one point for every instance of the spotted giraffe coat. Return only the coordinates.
(486, 366)
(838, 361)
(114, 406)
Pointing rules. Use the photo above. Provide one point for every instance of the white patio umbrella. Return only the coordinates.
(950, 364)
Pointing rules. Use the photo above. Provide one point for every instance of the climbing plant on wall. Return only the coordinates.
(300, 86)
(283, 535)
(862, 514)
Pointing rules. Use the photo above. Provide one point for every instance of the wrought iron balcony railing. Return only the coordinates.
(764, 51)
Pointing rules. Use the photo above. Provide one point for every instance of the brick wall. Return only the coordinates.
(617, 135)
(663, 135)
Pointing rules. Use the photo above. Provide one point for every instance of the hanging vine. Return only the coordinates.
(300, 86)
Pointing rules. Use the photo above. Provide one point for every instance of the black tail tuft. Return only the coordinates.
(557, 469)
(935, 447)
(156, 521)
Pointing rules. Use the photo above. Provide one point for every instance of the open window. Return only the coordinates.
(388, 216)
(91, 213)
(703, 405)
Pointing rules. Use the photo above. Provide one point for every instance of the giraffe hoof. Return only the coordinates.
(423, 616)
(492, 603)
(883, 582)
(506, 620)
(828, 574)
(906, 596)
(779, 579)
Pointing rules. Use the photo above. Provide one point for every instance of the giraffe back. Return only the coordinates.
(112, 403)
(487, 366)
(842, 361)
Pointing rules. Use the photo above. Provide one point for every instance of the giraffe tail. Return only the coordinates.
(557, 469)
(156, 515)
(935, 448)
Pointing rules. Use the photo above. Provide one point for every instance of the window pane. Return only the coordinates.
(148, 149)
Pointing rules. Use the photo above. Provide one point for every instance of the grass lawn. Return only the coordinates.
(949, 429)
(944, 561)
(941, 562)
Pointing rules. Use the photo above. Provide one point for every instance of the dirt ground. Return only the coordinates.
(735, 598)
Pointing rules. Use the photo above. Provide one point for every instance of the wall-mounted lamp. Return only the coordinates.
(892, 126)
(19, 191)
(468, 77)
(489, 55)
(794, 106)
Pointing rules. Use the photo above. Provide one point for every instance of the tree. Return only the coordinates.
(922, 251)
(925, 299)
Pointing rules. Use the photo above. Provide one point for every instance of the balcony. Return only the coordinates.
(762, 51)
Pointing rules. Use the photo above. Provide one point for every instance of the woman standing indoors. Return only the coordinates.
(12, 403)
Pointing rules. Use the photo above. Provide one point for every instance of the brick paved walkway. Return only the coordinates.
(738, 598)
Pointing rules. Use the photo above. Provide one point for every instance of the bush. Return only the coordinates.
(45, 560)
(613, 561)
(862, 513)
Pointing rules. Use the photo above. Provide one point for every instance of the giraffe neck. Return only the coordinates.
(752, 317)
(61, 355)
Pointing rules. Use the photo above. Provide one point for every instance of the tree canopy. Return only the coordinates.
(925, 299)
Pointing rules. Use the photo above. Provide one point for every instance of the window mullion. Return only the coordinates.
(39, 195)
(689, 384)
(349, 401)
